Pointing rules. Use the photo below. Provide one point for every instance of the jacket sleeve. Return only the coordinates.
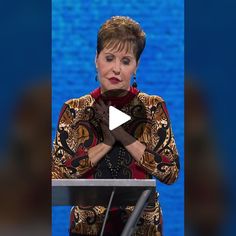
(70, 147)
(160, 157)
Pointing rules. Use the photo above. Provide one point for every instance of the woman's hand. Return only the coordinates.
(103, 114)
(133, 146)
(118, 134)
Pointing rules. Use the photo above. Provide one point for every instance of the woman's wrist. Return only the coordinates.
(109, 141)
(119, 134)
(97, 152)
(123, 137)
(107, 145)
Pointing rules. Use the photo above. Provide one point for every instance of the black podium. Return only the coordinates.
(107, 193)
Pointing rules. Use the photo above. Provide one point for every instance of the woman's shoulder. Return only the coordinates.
(74, 107)
(151, 99)
(80, 102)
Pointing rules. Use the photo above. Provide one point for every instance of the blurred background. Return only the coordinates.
(25, 121)
(210, 36)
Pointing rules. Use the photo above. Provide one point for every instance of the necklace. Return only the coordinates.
(115, 169)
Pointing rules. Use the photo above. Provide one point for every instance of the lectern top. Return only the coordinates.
(104, 182)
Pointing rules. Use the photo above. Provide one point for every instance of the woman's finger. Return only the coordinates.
(104, 107)
(97, 105)
(102, 115)
(99, 109)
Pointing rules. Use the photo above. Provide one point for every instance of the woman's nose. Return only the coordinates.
(116, 67)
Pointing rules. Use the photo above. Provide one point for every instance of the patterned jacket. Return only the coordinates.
(79, 129)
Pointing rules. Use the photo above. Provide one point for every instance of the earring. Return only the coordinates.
(135, 85)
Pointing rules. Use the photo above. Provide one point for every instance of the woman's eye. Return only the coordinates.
(126, 61)
(109, 58)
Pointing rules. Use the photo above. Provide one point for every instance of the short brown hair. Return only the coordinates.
(120, 32)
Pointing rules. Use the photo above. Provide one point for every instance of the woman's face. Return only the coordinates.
(115, 69)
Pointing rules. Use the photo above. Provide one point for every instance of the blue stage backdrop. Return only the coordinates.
(74, 29)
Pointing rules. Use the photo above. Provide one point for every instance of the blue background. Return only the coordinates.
(74, 33)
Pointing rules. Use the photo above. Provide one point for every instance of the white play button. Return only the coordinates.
(117, 118)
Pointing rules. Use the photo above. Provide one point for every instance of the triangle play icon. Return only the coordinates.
(117, 118)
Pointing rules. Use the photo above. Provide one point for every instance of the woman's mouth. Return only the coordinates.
(114, 80)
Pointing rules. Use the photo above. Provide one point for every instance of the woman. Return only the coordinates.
(85, 147)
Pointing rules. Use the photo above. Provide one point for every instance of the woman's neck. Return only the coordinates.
(114, 92)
